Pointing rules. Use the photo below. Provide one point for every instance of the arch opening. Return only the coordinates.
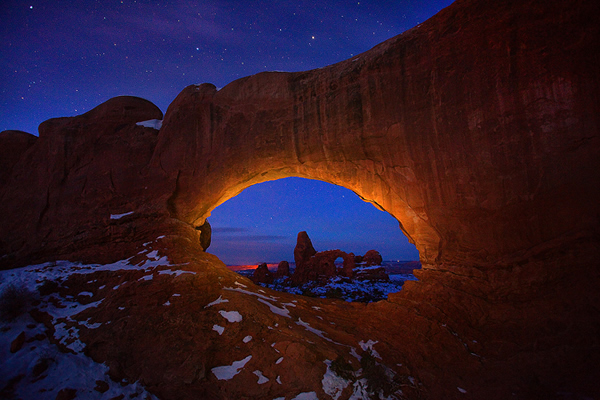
(256, 231)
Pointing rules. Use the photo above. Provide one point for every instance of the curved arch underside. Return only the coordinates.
(477, 131)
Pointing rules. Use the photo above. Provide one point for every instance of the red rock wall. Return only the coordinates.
(468, 129)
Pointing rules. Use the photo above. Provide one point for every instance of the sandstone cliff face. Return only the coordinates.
(460, 128)
(477, 130)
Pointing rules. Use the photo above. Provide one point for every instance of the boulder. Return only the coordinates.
(17, 343)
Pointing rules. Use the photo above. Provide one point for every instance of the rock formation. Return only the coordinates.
(320, 266)
(372, 257)
(262, 274)
(478, 131)
(371, 274)
(283, 270)
(303, 251)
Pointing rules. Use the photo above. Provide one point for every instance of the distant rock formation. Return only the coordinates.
(371, 274)
(303, 251)
(283, 270)
(321, 265)
(262, 274)
(372, 257)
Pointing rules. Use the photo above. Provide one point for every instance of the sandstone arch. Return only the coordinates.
(229, 159)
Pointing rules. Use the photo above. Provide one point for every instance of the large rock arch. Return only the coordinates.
(462, 148)
(477, 130)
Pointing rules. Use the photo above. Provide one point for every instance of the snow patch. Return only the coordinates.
(333, 385)
(231, 316)
(217, 301)
(63, 369)
(279, 360)
(261, 378)
(360, 390)
(218, 329)
(89, 325)
(461, 390)
(175, 272)
(151, 123)
(315, 331)
(247, 339)
(227, 372)
(119, 216)
(369, 346)
(284, 312)
(306, 396)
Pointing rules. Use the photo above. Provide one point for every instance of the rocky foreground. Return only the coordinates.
(160, 328)
(478, 131)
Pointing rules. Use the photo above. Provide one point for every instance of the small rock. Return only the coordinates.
(40, 367)
(101, 386)
(17, 344)
(66, 394)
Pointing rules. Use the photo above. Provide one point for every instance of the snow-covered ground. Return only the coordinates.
(341, 287)
(40, 369)
(53, 360)
(346, 289)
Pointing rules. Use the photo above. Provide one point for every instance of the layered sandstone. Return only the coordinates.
(477, 130)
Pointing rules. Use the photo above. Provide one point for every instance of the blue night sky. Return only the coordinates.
(62, 58)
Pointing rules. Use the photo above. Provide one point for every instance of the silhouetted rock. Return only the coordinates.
(320, 266)
(303, 251)
(372, 257)
(283, 270)
(205, 235)
(262, 274)
(348, 266)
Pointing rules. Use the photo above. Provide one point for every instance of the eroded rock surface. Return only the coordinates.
(477, 130)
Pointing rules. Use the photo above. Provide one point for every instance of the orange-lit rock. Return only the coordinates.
(478, 130)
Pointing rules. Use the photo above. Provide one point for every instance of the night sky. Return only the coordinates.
(63, 57)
